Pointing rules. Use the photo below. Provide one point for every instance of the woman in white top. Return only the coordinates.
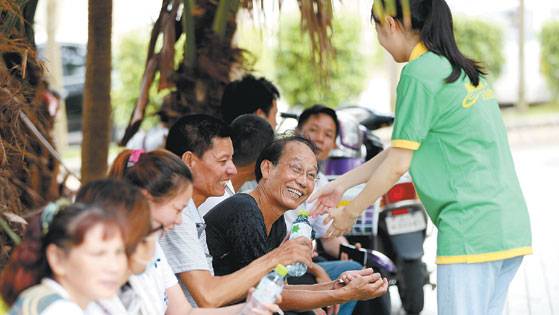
(167, 183)
(69, 257)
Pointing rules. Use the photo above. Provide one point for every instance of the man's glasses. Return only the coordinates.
(300, 171)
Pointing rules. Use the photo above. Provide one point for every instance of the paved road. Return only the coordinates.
(535, 289)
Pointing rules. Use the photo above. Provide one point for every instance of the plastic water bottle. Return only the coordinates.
(300, 227)
(267, 290)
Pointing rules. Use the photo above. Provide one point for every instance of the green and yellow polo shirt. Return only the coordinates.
(462, 166)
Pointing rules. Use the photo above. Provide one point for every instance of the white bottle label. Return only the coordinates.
(266, 291)
(301, 229)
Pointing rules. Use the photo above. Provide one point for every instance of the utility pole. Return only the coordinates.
(522, 105)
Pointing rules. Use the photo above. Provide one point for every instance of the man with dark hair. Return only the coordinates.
(318, 111)
(250, 96)
(319, 124)
(204, 145)
(251, 134)
(245, 227)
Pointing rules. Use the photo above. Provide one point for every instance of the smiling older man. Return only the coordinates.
(204, 145)
(244, 227)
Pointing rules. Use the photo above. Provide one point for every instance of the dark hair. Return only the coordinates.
(194, 133)
(315, 110)
(432, 18)
(28, 263)
(273, 151)
(246, 96)
(251, 133)
(119, 195)
(159, 172)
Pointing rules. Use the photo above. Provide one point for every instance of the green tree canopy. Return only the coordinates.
(482, 41)
(296, 77)
(128, 65)
(549, 38)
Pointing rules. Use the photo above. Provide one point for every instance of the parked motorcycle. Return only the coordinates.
(393, 229)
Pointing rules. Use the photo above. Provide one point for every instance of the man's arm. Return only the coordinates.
(215, 291)
(362, 288)
(319, 273)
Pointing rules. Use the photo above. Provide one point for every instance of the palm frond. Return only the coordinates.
(316, 21)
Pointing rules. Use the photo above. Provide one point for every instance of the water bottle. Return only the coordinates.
(267, 290)
(300, 227)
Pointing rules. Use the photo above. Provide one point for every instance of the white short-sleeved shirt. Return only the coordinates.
(186, 248)
(152, 284)
(319, 228)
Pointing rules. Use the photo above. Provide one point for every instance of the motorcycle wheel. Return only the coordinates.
(411, 278)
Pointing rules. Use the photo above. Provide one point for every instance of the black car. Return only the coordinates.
(73, 70)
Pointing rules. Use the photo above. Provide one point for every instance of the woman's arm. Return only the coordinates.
(328, 196)
(385, 175)
(394, 165)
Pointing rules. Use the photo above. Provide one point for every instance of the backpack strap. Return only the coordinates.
(34, 300)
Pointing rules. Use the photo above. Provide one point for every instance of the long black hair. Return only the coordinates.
(432, 18)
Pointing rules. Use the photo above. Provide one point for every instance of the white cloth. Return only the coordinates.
(186, 248)
(64, 306)
(211, 202)
(248, 186)
(319, 228)
(149, 140)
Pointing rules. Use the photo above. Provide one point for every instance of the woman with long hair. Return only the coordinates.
(449, 133)
(69, 257)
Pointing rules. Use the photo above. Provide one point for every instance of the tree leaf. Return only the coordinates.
(12, 217)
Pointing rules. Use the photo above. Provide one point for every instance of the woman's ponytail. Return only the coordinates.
(438, 36)
(27, 264)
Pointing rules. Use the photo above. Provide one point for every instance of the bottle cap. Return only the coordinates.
(303, 212)
(281, 269)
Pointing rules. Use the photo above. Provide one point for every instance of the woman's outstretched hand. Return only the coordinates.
(342, 224)
(327, 198)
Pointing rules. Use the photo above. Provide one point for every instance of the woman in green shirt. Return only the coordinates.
(449, 133)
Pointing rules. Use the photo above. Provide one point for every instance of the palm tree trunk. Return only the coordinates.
(96, 99)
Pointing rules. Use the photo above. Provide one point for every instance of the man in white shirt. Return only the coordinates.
(204, 145)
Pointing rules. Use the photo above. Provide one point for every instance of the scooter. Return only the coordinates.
(395, 224)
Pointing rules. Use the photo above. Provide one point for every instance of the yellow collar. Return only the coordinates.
(418, 50)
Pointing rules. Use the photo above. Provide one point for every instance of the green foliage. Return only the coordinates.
(129, 65)
(297, 78)
(481, 41)
(549, 38)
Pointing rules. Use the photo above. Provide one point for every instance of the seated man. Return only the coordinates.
(250, 134)
(319, 124)
(245, 227)
(204, 145)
